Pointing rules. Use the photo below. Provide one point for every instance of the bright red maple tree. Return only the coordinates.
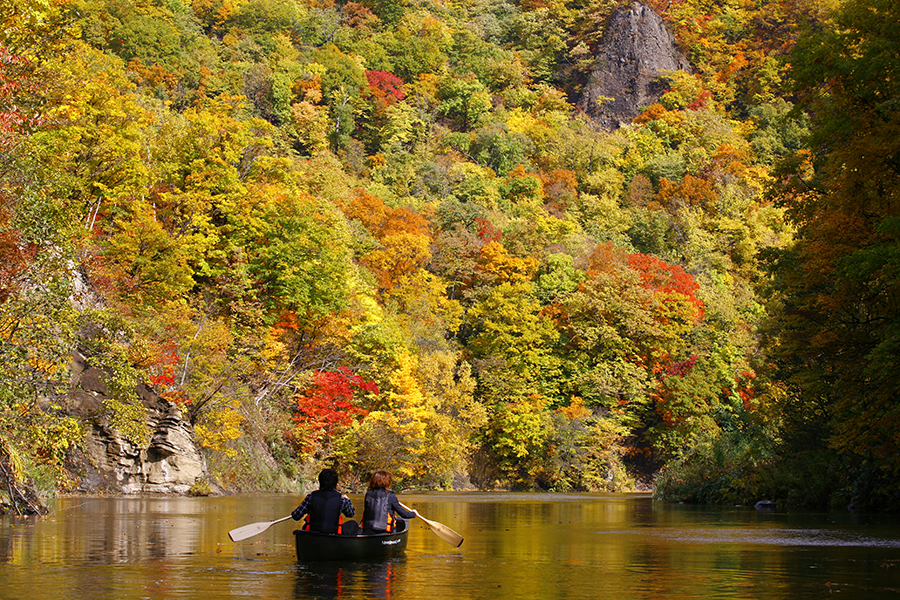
(328, 402)
(663, 278)
(385, 86)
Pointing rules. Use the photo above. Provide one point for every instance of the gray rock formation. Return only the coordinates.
(637, 49)
(109, 463)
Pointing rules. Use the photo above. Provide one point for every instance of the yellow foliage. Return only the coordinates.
(221, 425)
(575, 410)
(311, 124)
(402, 254)
(497, 264)
(425, 435)
(129, 418)
(421, 297)
(520, 120)
(406, 392)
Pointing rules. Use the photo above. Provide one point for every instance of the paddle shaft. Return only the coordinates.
(242, 533)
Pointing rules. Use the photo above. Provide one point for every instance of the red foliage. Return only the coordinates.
(328, 403)
(385, 86)
(14, 88)
(744, 383)
(701, 101)
(162, 372)
(680, 369)
(288, 320)
(17, 254)
(661, 277)
(487, 232)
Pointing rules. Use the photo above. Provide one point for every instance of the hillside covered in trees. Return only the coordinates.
(383, 234)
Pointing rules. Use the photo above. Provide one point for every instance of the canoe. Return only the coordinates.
(315, 546)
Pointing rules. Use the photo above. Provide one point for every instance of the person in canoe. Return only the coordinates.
(382, 506)
(326, 508)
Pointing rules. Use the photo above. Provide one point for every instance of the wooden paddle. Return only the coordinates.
(242, 533)
(440, 530)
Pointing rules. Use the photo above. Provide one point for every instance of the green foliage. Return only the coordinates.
(515, 442)
(301, 256)
(585, 452)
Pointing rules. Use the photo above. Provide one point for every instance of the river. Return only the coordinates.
(517, 546)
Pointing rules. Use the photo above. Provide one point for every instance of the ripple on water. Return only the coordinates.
(777, 537)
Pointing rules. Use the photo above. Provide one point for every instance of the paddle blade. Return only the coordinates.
(440, 530)
(444, 532)
(242, 533)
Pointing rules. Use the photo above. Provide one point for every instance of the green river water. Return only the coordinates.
(517, 546)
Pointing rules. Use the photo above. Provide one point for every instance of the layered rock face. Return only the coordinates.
(637, 49)
(170, 463)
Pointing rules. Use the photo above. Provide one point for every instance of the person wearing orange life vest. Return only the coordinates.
(326, 507)
(381, 504)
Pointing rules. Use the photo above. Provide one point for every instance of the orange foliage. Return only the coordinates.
(401, 256)
(560, 189)
(692, 191)
(154, 75)
(309, 88)
(606, 258)
(653, 112)
(357, 15)
(383, 221)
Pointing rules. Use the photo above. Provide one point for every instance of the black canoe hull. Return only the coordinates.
(313, 546)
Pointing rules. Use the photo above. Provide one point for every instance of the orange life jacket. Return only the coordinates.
(340, 524)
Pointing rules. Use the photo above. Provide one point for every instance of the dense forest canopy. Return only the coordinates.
(381, 234)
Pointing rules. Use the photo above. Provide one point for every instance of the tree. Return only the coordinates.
(839, 330)
(512, 343)
(334, 401)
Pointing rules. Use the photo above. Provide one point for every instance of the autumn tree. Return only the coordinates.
(335, 399)
(839, 324)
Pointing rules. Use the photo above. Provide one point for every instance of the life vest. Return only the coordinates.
(378, 515)
(324, 512)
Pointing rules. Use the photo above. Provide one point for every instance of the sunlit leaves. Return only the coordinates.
(142, 262)
(471, 279)
(516, 440)
(299, 253)
(496, 265)
(333, 400)
(221, 427)
(512, 342)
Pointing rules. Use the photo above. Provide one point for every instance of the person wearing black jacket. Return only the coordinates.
(326, 508)
(381, 506)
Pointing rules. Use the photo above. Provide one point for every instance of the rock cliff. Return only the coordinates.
(171, 462)
(637, 49)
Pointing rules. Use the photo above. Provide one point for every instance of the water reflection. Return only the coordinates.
(516, 546)
(347, 580)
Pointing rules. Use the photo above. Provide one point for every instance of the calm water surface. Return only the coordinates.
(517, 546)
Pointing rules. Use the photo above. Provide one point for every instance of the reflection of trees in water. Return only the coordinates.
(345, 580)
(141, 528)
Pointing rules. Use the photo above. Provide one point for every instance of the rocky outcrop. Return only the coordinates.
(637, 49)
(171, 462)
